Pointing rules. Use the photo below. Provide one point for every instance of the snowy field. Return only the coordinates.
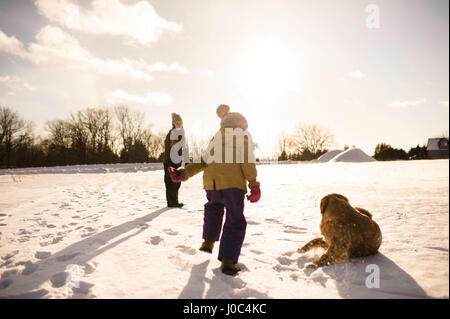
(111, 225)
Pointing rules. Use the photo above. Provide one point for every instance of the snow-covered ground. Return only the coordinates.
(110, 223)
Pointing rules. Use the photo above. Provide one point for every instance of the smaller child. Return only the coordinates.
(226, 184)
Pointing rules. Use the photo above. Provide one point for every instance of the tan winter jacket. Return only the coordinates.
(236, 172)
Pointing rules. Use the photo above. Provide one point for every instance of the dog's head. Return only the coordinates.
(330, 197)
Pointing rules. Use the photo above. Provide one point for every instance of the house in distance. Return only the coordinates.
(437, 148)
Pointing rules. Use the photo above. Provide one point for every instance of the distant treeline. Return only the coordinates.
(385, 152)
(102, 135)
(90, 136)
(309, 142)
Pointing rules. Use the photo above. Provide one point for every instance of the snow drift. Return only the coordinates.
(327, 156)
(354, 155)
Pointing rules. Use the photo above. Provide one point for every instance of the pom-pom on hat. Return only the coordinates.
(231, 119)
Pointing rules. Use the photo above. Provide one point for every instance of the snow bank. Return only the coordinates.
(85, 169)
(353, 155)
(327, 156)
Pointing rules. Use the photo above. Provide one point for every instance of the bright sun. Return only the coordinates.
(266, 72)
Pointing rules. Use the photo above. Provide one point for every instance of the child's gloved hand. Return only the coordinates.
(177, 175)
(255, 192)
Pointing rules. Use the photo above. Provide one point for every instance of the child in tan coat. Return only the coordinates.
(228, 167)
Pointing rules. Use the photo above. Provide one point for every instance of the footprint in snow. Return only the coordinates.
(170, 232)
(256, 252)
(294, 277)
(5, 283)
(42, 254)
(58, 280)
(89, 267)
(187, 250)
(24, 239)
(56, 240)
(10, 255)
(155, 240)
(285, 261)
(319, 278)
(294, 230)
(82, 289)
(29, 267)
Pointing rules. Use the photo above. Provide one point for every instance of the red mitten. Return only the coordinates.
(177, 175)
(255, 193)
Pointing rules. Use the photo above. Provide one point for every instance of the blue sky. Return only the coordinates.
(279, 63)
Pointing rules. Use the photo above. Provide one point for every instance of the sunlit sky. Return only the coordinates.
(278, 63)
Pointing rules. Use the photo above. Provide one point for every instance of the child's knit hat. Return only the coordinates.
(231, 119)
(176, 118)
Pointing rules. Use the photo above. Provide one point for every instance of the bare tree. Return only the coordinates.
(312, 138)
(59, 133)
(284, 145)
(153, 142)
(12, 126)
(98, 122)
(130, 125)
(106, 137)
(79, 137)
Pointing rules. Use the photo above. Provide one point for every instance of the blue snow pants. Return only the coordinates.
(233, 233)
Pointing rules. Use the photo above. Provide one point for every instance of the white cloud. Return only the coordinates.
(137, 23)
(56, 47)
(161, 67)
(157, 98)
(207, 74)
(11, 45)
(356, 74)
(28, 86)
(16, 83)
(405, 104)
(7, 79)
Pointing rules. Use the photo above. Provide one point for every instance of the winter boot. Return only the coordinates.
(228, 267)
(207, 246)
(177, 205)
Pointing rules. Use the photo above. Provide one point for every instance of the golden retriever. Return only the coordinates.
(347, 232)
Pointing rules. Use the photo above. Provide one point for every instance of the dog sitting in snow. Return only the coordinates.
(347, 232)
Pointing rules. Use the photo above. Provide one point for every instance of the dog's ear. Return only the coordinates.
(324, 204)
(364, 212)
(341, 197)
